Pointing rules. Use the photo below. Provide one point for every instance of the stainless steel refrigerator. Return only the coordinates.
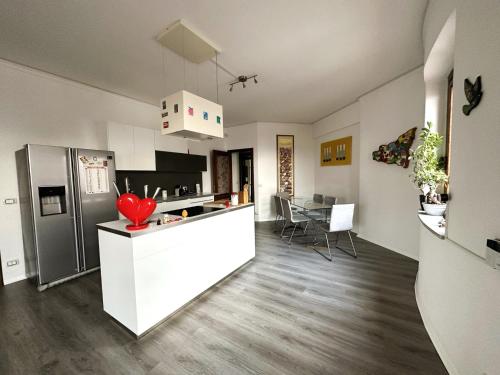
(63, 194)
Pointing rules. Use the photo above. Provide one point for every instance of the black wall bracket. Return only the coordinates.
(494, 244)
(493, 253)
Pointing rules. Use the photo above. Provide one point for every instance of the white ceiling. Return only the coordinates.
(312, 57)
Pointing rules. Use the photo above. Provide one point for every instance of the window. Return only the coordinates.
(449, 125)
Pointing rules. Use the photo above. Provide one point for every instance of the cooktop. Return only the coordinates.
(194, 211)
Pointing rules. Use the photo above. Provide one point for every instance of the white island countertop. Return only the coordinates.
(119, 226)
(149, 275)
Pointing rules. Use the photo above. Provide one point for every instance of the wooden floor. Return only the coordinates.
(288, 312)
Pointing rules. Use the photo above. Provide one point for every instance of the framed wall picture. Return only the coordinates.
(336, 152)
(285, 163)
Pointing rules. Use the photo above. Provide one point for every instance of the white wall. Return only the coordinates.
(267, 163)
(262, 138)
(458, 298)
(436, 107)
(475, 155)
(387, 200)
(438, 11)
(40, 108)
(457, 292)
(340, 181)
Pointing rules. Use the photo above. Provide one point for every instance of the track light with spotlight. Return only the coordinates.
(242, 80)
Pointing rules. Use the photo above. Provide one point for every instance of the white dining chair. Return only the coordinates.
(341, 219)
(329, 201)
(292, 218)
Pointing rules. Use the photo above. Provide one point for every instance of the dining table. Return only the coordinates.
(306, 204)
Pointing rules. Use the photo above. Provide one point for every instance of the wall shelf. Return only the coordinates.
(432, 224)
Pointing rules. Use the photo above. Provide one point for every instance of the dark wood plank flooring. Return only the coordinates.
(288, 312)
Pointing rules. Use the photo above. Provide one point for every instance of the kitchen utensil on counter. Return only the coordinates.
(234, 199)
(136, 210)
(116, 189)
(180, 190)
(164, 195)
(146, 191)
(243, 195)
(156, 192)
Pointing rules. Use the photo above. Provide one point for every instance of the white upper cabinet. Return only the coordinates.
(134, 147)
(144, 149)
(121, 141)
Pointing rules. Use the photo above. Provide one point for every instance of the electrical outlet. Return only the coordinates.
(13, 262)
(10, 201)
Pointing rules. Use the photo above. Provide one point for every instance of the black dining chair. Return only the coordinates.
(318, 198)
(279, 210)
(293, 219)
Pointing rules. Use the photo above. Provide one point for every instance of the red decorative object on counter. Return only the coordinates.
(136, 210)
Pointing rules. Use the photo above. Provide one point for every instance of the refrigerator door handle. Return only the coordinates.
(78, 209)
(73, 207)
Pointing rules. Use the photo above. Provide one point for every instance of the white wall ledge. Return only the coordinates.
(432, 224)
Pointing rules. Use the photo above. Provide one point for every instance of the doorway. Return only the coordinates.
(221, 174)
(242, 171)
(231, 171)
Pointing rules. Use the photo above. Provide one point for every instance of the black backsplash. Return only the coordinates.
(165, 180)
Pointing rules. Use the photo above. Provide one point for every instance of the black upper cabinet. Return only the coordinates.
(177, 162)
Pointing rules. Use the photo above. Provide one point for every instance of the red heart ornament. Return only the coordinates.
(135, 209)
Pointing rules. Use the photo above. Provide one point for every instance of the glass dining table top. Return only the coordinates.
(307, 203)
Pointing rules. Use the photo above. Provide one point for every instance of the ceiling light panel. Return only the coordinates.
(187, 43)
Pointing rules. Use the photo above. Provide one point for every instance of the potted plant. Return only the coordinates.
(428, 172)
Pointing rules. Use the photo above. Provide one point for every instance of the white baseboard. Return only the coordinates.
(14, 279)
(261, 219)
(433, 334)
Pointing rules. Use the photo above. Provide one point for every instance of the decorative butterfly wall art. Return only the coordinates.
(473, 94)
(397, 152)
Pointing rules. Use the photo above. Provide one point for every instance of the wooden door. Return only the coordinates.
(221, 174)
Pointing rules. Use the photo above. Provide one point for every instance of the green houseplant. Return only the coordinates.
(428, 172)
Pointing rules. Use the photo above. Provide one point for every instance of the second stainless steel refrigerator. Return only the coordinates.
(63, 193)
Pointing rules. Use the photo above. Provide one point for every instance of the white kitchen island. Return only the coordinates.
(150, 274)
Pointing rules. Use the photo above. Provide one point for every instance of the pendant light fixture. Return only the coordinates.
(184, 113)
